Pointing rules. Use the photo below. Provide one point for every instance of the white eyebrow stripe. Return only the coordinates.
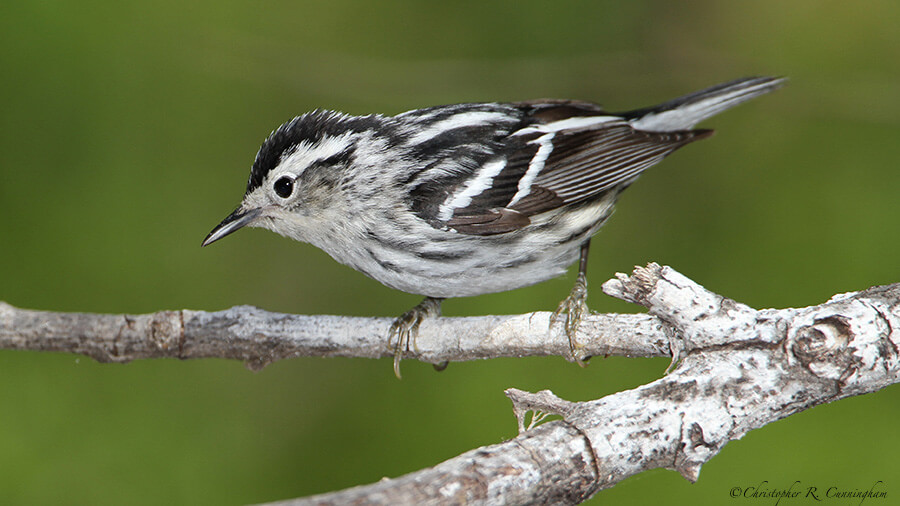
(535, 166)
(465, 119)
(325, 148)
(305, 153)
(482, 181)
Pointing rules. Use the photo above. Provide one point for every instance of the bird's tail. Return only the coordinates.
(684, 112)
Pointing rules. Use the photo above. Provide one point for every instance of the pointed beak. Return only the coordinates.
(238, 219)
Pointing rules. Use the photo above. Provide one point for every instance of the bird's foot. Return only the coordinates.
(406, 328)
(574, 306)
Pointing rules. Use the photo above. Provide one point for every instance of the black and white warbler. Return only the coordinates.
(465, 199)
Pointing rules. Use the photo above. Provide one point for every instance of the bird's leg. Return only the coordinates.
(406, 327)
(575, 305)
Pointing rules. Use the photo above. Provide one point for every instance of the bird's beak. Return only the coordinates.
(234, 221)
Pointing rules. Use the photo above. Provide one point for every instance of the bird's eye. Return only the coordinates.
(284, 187)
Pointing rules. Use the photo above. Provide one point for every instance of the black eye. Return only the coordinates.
(284, 187)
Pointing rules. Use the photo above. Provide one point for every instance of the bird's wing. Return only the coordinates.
(570, 155)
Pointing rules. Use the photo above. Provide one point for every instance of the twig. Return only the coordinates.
(260, 337)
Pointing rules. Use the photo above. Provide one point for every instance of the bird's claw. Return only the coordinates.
(406, 327)
(574, 306)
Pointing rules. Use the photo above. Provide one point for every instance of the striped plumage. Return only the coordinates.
(464, 199)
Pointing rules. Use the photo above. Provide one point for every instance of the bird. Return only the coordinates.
(466, 199)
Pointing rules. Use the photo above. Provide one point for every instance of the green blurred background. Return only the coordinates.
(127, 132)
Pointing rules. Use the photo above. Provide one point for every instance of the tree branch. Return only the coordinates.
(739, 370)
(260, 337)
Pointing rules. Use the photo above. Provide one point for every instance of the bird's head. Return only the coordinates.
(296, 174)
